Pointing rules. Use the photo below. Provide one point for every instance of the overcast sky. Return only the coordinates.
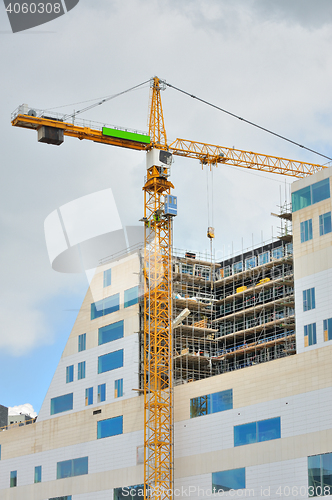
(269, 61)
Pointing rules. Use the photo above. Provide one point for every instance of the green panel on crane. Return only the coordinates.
(129, 136)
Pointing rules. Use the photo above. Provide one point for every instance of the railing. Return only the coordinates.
(18, 424)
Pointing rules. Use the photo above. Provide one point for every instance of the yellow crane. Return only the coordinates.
(158, 391)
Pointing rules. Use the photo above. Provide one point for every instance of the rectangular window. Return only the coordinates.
(309, 299)
(250, 262)
(256, 432)
(89, 396)
(227, 271)
(311, 194)
(110, 361)
(126, 492)
(226, 480)
(105, 306)
(61, 404)
(70, 468)
(38, 474)
(187, 269)
(101, 393)
(320, 475)
(306, 230)
(277, 253)
(69, 374)
(310, 335)
(327, 327)
(13, 478)
(82, 342)
(110, 332)
(325, 224)
(118, 388)
(110, 427)
(203, 271)
(131, 296)
(81, 370)
(211, 403)
(67, 497)
(289, 249)
(107, 277)
(237, 267)
(263, 258)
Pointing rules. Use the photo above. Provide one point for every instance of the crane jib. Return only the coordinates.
(124, 134)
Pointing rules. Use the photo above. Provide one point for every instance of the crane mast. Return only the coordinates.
(157, 334)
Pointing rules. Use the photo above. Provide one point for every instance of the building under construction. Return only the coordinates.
(252, 380)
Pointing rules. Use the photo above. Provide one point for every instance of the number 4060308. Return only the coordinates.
(34, 8)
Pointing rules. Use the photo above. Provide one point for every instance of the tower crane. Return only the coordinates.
(157, 385)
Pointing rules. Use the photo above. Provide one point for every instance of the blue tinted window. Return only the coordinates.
(277, 253)
(131, 296)
(70, 468)
(69, 374)
(126, 492)
(250, 262)
(13, 478)
(268, 429)
(105, 306)
(310, 335)
(226, 480)
(237, 267)
(82, 342)
(325, 224)
(101, 393)
(211, 403)
(67, 497)
(263, 258)
(327, 327)
(309, 299)
(118, 388)
(245, 434)
(109, 427)
(38, 474)
(310, 195)
(256, 432)
(110, 361)
(110, 332)
(306, 230)
(81, 370)
(89, 396)
(107, 277)
(62, 403)
(320, 475)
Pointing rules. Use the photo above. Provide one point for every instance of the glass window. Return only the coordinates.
(327, 327)
(256, 432)
(202, 271)
(67, 497)
(131, 296)
(101, 393)
(109, 427)
(38, 474)
(118, 388)
(263, 258)
(62, 403)
(187, 269)
(309, 299)
(320, 475)
(325, 224)
(13, 478)
(110, 361)
(70, 468)
(89, 396)
(105, 306)
(227, 271)
(289, 249)
(211, 403)
(82, 342)
(107, 277)
(306, 230)
(310, 335)
(320, 191)
(69, 374)
(301, 198)
(81, 370)
(126, 492)
(237, 267)
(277, 253)
(226, 480)
(310, 195)
(110, 332)
(250, 262)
